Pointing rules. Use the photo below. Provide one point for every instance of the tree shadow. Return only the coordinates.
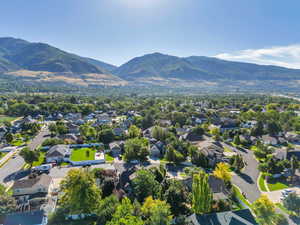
(246, 178)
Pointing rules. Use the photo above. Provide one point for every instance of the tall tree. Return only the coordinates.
(81, 195)
(202, 194)
(156, 212)
(30, 156)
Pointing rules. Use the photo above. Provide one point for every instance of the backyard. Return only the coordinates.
(277, 184)
(82, 154)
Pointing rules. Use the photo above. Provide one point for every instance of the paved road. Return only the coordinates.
(12, 169)
(247, 180)
(38, 140)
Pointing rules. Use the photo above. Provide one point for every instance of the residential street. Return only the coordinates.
(247, 180)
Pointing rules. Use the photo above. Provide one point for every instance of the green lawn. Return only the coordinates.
(80, 154)
(41, 159)
(261, 183)
(277, 184)
(239, 195)
(4, 119)
(108, 158)
(17, 142)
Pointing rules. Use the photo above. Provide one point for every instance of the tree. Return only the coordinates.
(156, 212)
(81, 195)
(134, 131)
(9, 137)
(292, 203)
(125, 215)
(106, 209)
(106, 136)
(136, 149)
(237, 140)
(264, 209)
(177, 196)
(202, 194)
(222, 172)
(7, 202)
(144, 185)
(237, 162)
(30, 156)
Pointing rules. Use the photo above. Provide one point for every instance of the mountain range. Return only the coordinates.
(40, 62)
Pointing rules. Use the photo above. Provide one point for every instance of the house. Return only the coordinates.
(218, 187)
(155, 152)
(58, 153)
(239, 217)
(292, 137)
(25, 218)
(269, 140)
(118, 131)
(213, 152)
(40, 184)
(115, 148)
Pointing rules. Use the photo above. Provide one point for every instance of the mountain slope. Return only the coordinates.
(43, 57)
(160, 65)
(103, 65)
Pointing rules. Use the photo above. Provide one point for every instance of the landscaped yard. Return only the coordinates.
(261, 183)
(108, 158)
(277, 184)
(4, 119)
(82, 154)
(239, 195)
(41, 159)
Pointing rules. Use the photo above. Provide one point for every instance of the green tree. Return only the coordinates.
(264, 209)
(136, 149)
(292, 203)
(202, 194)
(144, 185)
(106, 209)
(7, 202)
(80, 192)
(156, 212)
(125, 215)
(29, 156)
(106, 136)
(134, 132)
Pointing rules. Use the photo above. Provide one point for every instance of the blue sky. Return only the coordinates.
(114, 31)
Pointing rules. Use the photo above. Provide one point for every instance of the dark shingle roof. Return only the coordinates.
(25, 218)
(239, 217)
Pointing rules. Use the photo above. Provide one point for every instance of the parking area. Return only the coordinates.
(275, 196)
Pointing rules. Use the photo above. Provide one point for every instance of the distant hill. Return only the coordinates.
(200, 68)
(43, 57)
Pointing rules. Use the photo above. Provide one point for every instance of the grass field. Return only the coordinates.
(81, 154)
(239, 195)
(261, 183)
(4, 119)
(41, 159)
(277, 184)
(108, 158)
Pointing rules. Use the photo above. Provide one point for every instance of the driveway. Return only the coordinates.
(247, 179)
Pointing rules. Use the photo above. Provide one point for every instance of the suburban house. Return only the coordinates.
(58, 153)
(269, 140)
(40, 184)
(239, 217)
(213, 152)
(25, 218)
(218, 187)
(115, 148)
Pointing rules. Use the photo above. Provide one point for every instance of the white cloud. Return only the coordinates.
(286, 56)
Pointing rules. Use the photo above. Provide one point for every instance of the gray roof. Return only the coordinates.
(58, 150)
(239, 217)
(44, 180)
